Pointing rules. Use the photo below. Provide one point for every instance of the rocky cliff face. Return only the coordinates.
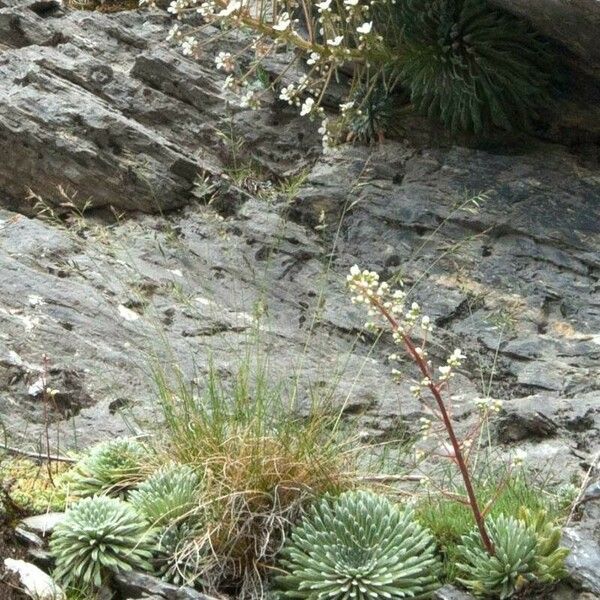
(189, 253)
(573, 23)
(97, 111)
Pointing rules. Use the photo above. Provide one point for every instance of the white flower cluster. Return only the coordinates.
(453, 361)
(425, 425)
(366, 289)
(224, 61)
(389, 306)
(189, 45)
(485, 405)
(178, 7)
(325, 134)
(342, 33)
(250, 99)
(518, 458)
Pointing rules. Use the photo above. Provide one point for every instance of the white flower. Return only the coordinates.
(307, 107)
(336, 41)
(287, 93)
(346, 106)
(456, 358)
(229, 83)
(415, 390)
(351, 2)
(174, 33)
(230, 8)
(224, 61)
(207, 9)
(365, 28)
(445, 372)
(324, 6)
(313, 58)
(189, 45)
(283, 23)
(518, 458)
(250, 100)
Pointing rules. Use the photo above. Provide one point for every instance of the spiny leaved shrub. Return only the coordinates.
(168, 495)
(359, 545)
(509, 568)
(470, 66)
(463, 62)
(98, 536)
(178, 558)
(110, 468)
(550, 556)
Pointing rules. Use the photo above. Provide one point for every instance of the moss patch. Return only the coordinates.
(29, 485)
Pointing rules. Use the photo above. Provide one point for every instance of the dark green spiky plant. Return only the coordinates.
(110, 468)
(359, 545)
(168, 495)
(471, 66)
(550, 556)
(98, 536)
(178, 558)
(374, 112)
(510, 568)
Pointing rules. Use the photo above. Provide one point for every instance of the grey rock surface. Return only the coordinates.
(135, 585)
(574, 23)
(100, 106)
(97, 110)
(43, 524)
(450, 592)
(583, 562)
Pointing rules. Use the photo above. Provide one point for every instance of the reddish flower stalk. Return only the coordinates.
(447, 421)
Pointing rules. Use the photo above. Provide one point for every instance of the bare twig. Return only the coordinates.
(37, 455)
(388, 478)
(586, 480)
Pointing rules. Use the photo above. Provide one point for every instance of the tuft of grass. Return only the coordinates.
(262, 465)
(449, 520)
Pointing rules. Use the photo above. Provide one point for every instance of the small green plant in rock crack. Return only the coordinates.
(550, 556)
(168, 495)
(526, 550)
(111, 468)
(509, 492)
(98, 536)
(359, 545)
(511, 565)
(373, 112)
(472, 67)
(179, 558)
